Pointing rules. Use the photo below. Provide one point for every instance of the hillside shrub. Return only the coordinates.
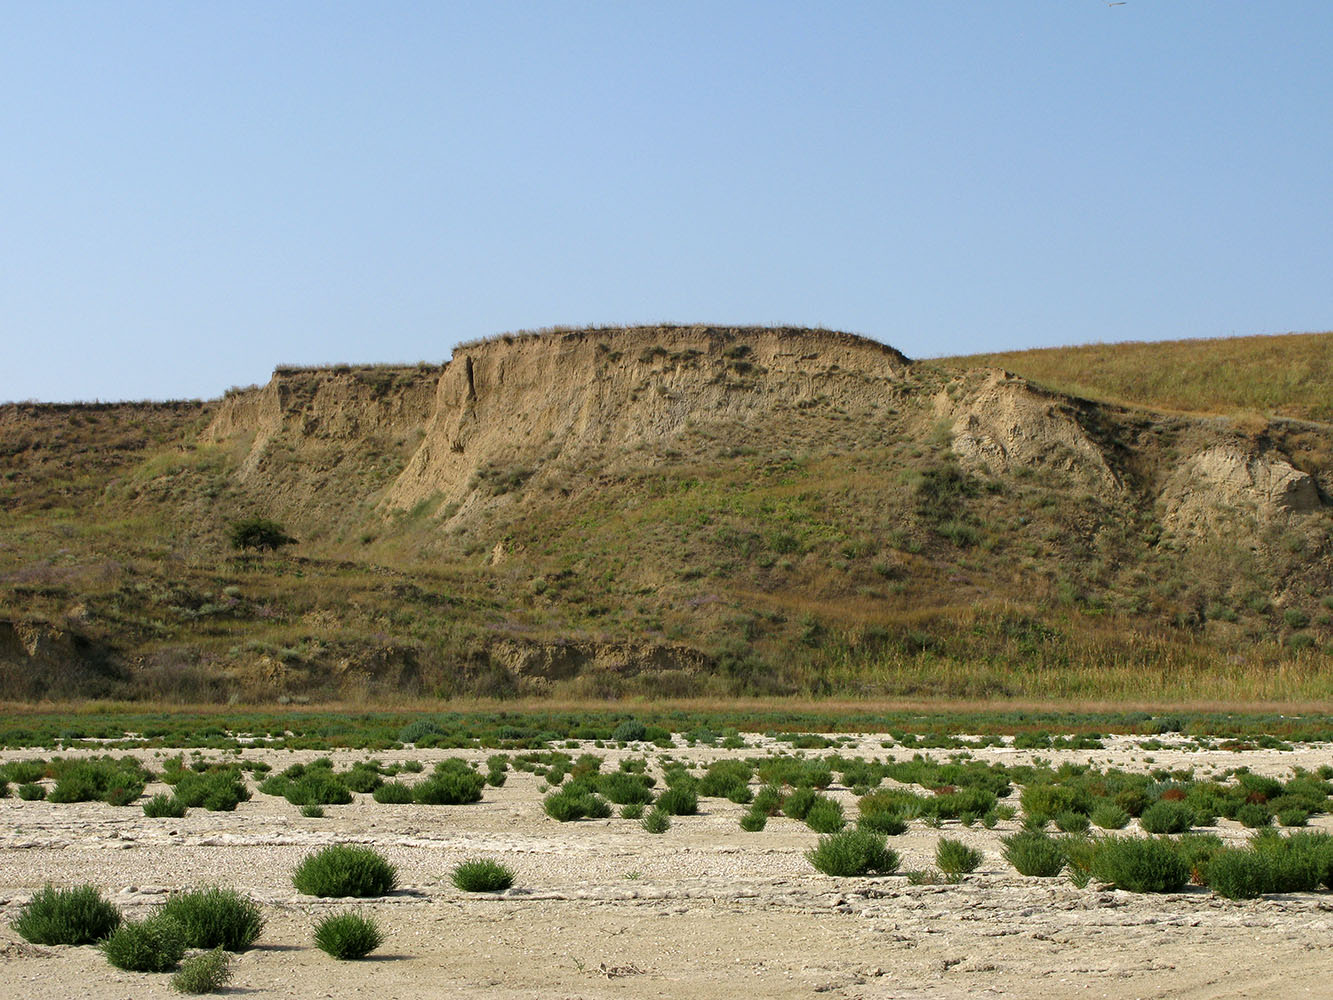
(343, 870)
(211, 917)
(66, 916)
(1072, 822)
(217, 791)
(31, 791)
(348, 936)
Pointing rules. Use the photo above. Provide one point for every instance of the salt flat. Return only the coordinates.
(602, 908)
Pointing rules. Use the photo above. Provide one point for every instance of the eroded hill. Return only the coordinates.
(667, 510)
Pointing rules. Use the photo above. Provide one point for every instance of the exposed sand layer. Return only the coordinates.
(603, 909)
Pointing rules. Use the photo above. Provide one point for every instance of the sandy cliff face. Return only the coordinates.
(522, 401)
(1226, 488)
(336, 407)
(1004, 423)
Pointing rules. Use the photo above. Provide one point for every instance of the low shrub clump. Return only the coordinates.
(1034, 853)
(953, 857)
(206, 973)
(348, 935)
(681, 800)
(394, 793)
(164, 806)
(153, 945)
(1166, 816)
(853, 852)
(657, 820)
(1139, 864)
(753, 821)
(215, 918)
(825, 816)
(482, 875)
(450, 786)
(345, 870)
(67, 916)
(220, 790)
(31, 791)
(1110, 816)
(887, 822)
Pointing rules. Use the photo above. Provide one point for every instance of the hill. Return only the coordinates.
(1282, 376)
(667, 511)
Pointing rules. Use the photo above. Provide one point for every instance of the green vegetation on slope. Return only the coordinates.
(1290, 375)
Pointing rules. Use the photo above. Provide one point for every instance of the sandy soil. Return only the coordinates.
(604, 909)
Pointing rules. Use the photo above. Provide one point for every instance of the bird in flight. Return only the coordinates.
(1117, 3)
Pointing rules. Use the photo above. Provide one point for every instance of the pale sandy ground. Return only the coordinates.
(603, 909)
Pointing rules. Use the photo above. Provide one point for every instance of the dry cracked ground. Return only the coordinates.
(603, 909)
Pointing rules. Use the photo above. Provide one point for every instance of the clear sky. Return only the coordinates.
(191, 193)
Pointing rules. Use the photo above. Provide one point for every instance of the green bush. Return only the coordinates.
(953, 857)
(345, 870)
(1254, 815)
(1034, 853)
(1110, 816)
(66, 916)
(853, 853)
(1165, 816)
(825, 816)
(1046, 801)
(258, 533)
(394, 792)
(658, 820)
(206, 973)
(31, 791)
(318, 787)
(624, 788)
(1239, 873)
(348, 935)
(420, 731)
(449, 788)
(681, 800)
(163, 806)
(632, 810)
(217, 791)
(153, 945)
(768, 800)
(312, 811)
(630, 731)
(798, 803)
(889, 823)
(211, 917)
(753, 822)
(1139, 864)
(482, 875)
(1072, 822)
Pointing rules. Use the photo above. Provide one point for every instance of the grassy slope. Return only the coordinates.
(1289, 375)
(830, 555)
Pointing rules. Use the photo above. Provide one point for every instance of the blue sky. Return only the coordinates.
(191, 193)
